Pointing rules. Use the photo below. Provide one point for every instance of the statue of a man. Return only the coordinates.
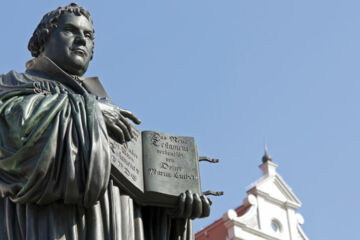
(55, 164)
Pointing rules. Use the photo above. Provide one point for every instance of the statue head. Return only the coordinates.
(66, 36)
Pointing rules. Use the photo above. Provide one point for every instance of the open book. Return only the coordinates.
(154, 168)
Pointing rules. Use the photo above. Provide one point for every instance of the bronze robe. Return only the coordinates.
(55, 167)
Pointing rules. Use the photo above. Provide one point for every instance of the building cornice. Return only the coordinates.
(245, 228)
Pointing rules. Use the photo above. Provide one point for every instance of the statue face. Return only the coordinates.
(71, 43)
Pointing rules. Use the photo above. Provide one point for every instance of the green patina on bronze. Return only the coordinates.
(55, 180)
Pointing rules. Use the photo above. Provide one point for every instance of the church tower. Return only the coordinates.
(268, 212)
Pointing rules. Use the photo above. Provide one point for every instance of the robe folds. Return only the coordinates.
(55, 164)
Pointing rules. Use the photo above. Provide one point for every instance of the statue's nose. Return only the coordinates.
(80, 39)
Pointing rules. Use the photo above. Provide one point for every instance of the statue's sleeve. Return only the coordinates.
(53, 147)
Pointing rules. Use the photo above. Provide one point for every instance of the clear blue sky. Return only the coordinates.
(233, 74)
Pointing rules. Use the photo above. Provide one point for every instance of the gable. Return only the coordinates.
(275, 188)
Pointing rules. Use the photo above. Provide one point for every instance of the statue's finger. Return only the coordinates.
(188, 204)
(117, 133)
(205, 206)
(181, 205)
(127, 124)
(130, 116)
(197, 206)
(125, 127)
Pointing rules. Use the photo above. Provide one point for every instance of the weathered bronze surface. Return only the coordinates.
(54, 148)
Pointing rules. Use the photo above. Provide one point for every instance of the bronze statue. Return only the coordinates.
(54, 154)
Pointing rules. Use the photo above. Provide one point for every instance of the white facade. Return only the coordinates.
(271, 210)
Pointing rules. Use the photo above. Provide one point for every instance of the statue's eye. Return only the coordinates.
(88, 35)
(69, 29)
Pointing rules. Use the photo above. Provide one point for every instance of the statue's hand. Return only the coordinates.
(192, 206)
(115, 120)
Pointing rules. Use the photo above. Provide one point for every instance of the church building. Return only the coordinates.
(268, 212)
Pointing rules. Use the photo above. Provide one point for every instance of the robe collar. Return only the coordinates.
(46, 66)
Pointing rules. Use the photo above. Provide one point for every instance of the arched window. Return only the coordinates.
(276, 226)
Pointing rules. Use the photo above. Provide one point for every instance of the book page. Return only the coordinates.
(127, 161)
(170, 163)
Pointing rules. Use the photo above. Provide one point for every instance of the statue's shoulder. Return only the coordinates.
(14, 78)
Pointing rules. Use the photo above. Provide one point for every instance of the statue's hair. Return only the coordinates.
(49, 23)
